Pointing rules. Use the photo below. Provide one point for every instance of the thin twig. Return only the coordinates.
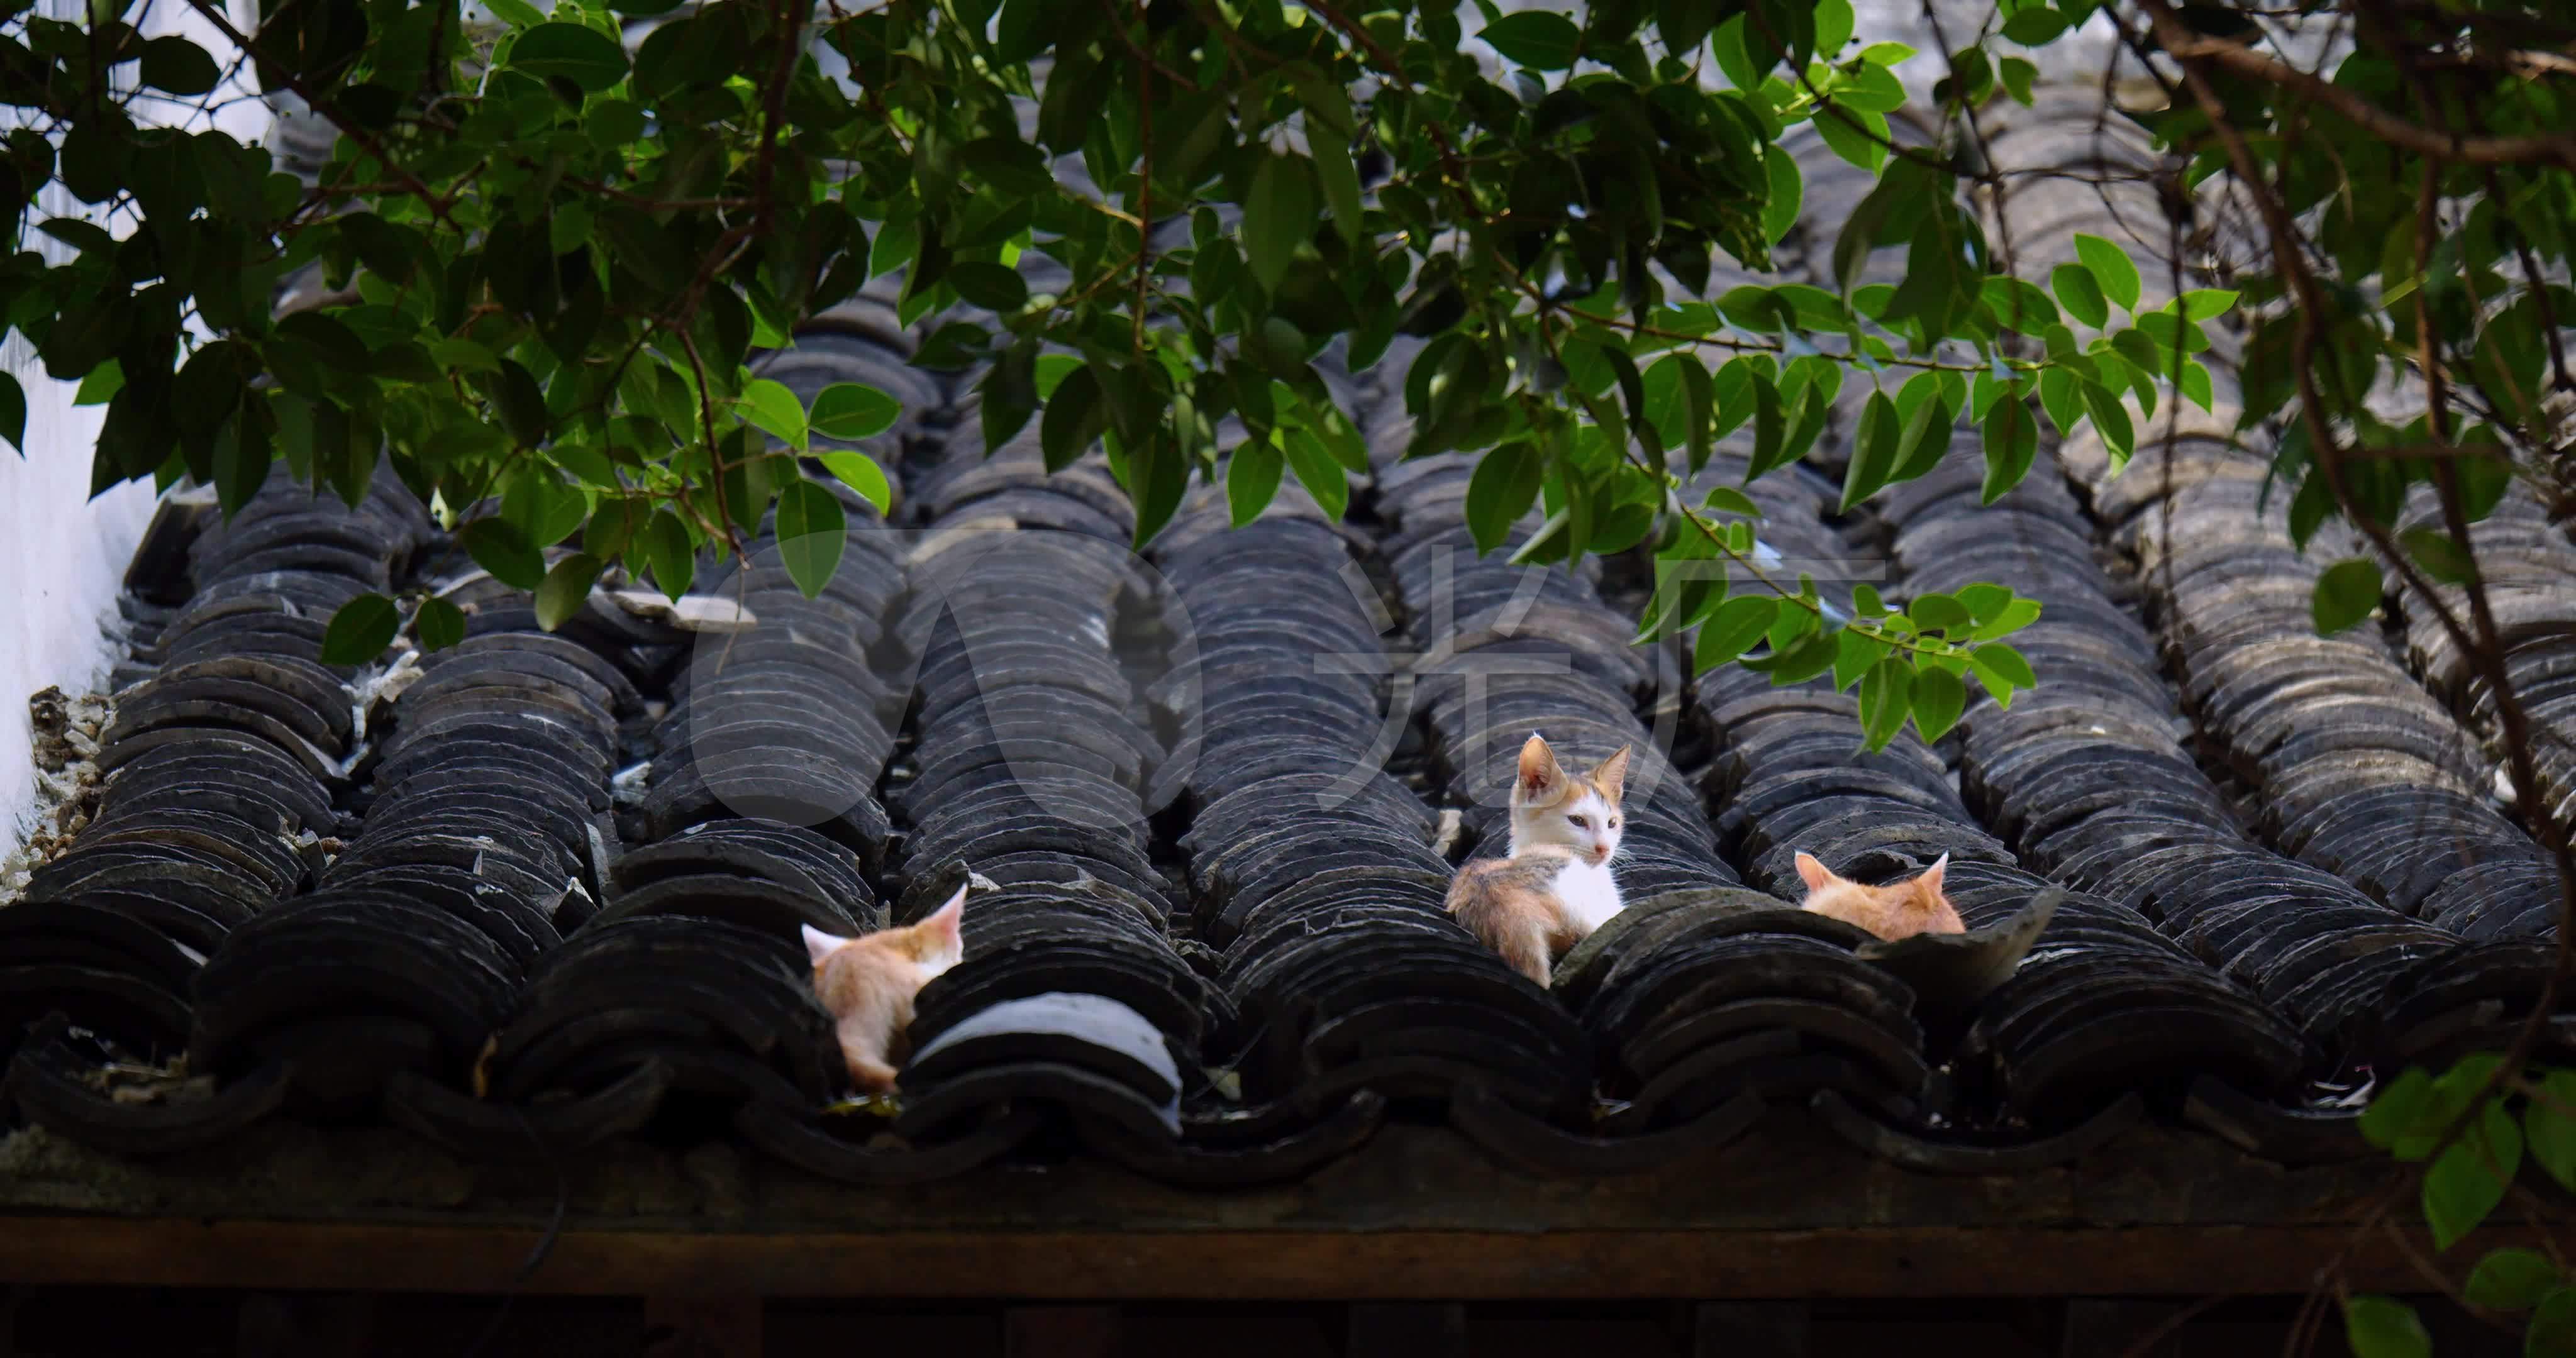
(2188, 46)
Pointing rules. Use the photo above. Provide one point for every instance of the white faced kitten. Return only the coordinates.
(1556, 887)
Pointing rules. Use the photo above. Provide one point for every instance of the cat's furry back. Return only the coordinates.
(1557, 886)
(1897, 910)
(869, 983)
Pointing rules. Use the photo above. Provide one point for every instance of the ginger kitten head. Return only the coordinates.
(1555, 808)
(1897, 910)
(935, 944)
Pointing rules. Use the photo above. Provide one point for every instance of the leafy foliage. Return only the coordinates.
(2471, 1126)
(2384, 1327)
(2404, 214)
(554, 263)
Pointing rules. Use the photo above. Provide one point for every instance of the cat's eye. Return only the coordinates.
(1580, 823)
(1614, 822)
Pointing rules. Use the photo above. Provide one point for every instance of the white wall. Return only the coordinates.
(62, 554)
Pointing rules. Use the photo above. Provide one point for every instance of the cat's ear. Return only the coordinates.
(1612, 775)
(1815, 874)
(1931, 878)
(947, 922)
(819, 945)
(1541, 777)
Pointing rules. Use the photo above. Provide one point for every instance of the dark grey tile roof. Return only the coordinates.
(2273, 860)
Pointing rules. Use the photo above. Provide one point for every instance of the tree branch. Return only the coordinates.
(214, 14)
(2181, 43)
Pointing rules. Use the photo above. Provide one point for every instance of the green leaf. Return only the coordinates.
(2059, 396)
(178, 66)
(1869, 88)
(499, 547)
(812, 533)
(859, 473)
(2203, 304)
(1780, 210)
(2511, 1280)
(2003, 662)
(1854, 134)
(1833, 26)
(1734, 60)
(1806, 658)
(1322, 476)
(2552, 1333)
(13, 413)
(1278, 216)
(1768, 449)
(1874, 451)
(643, 246)
(360, 631)
(2081, 294)
(2383, 1327)
(2018, 305)
(2140, 352)
(1998, 683)
(2012, 442)
(2347, 593)
(1926, 437)
(1538, 39)
(667, 550)
(519, 401)
(2110, 267)
(2467, 1182)
(1740, 622)
(576, 52)
(241, 463)
(1026, 27)
(851, 411)
(1251, 479)
(2441, 557)
(1939, 286)
(1729, 500)
(2035, 26)
(2112, 419)
(438, 625)
(2401, 1106)
(1939, 698)
(1075, 417)
(1933, 612)
(1341, 180)
(1504, 486)
(2018, 614)
(2549, 1126)
(1886, 699)
(566, 589)
(989, 286)
(773, 409)
(1699, 410)
(1158, 476)
(2017, 75)
(2195, 386)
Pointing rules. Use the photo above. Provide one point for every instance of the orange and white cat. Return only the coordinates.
(1556, 887)
(869, 983)
(1897, 910)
